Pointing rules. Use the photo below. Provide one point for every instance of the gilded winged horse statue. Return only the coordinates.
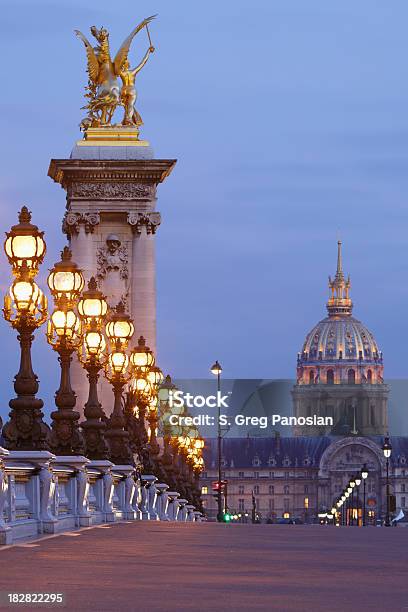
(103, 91)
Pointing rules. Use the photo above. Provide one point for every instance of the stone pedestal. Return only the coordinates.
(111, 223)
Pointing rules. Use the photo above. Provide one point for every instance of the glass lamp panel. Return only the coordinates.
(163, 394)
(63, 282)
(25, 295)
(40, 246)
(22, 247)
(94, 342)
(90, 307)
(139, 359)
(119, 330)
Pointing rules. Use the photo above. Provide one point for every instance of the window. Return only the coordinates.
(271, 489)
(402, 488)
(271, 474)
(256, 462)
(330, 377)
(240, 474)
(311, 377)
(256, 490)
(271, 504)
(286, 490)
(402, 472)
(204, 490)
(241, 490)
(204, 475)
(372, 415)
(286, 505)
(257, 503)
(351, 377)
(256, 474)
(287, 475)
(369, 376)
(402, 502)
(306, 503)
(306, 489)
(241, 504)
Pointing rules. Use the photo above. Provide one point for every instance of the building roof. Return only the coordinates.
(339, 337)
(278, 452)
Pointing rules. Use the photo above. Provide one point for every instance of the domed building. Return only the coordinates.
(340, 372)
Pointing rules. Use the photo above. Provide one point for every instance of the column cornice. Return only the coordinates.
(148, 172)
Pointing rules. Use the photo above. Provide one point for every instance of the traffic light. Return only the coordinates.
(227, 517)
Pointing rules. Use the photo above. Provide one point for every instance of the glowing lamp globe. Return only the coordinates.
(26, 295)
(65, 323)
(118, 362)
(119, 328)
(155, 376)
(25, 244)
(65, 278)
(142, 356)
(94, 343)
(92, 305)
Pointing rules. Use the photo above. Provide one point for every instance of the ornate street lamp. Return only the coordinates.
(357, 480)
(155, 378)
(352, 484)
(364, 476)
(387, 450)
(92, 308)
(64, 335)
(25, 308)
(119, 330)
(216, 369)
(347, 505)
(25, 245)
(138, 398)
(165, 411)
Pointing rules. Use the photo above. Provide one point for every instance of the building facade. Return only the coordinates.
(300, 477)
(339, 374)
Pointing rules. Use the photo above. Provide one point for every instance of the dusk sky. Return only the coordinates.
(289, 120)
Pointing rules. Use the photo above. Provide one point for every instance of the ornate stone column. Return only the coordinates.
(143, 275)
(110, 223)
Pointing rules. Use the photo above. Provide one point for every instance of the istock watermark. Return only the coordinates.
(177, 399)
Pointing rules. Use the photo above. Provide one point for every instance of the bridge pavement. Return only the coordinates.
(149, 567)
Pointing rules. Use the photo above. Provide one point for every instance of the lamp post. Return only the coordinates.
(357, 480)
(165, 412)
(25, 308)
(139, 396)
(92, 308)
(119, 331)
(347, 507)
(216, 369)
(64, 335)
(155, 378)
(387, 449)
(364, 476)
(352, 484)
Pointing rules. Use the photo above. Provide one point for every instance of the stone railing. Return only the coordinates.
(41, 493)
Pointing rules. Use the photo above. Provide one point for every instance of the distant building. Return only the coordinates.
(340, 371)
(339, 374)
(302, 476)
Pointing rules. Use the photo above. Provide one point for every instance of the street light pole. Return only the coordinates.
(357, 480)
(216, 369)
(364, 475)
(352, 485)
(387, 449)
